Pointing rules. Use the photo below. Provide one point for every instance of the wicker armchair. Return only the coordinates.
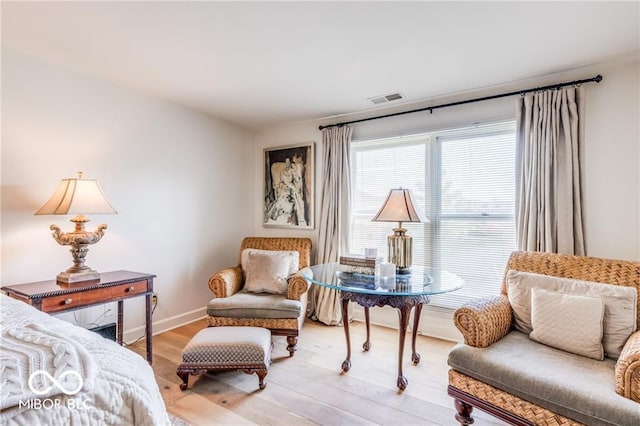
(229, 283)
(488, 322)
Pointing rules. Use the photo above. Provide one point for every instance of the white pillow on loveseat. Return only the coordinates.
(569, 322)
(620, 304)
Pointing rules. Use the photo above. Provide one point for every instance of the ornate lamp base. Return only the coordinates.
(79, 240)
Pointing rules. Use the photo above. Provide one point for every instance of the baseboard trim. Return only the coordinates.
(165, 324)
(433, 324)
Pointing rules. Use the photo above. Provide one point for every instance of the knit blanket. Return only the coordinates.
(54, 372)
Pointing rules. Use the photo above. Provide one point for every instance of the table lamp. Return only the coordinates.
(77, 196)
(400, 207)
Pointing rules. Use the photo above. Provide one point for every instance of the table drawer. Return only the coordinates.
(88, 297)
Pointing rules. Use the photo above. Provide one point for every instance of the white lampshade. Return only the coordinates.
(77, 196)
(399, 207)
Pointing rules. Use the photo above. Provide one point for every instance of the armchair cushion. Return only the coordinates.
(619, 311)
(553, 316)
(267, 271)
(571, 385)
(254, 305)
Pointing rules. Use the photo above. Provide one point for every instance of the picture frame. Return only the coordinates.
(288, 186)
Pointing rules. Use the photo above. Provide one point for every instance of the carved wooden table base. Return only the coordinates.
(404, 305)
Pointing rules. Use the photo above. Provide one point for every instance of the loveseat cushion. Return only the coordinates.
(571, 385)
(254, 305)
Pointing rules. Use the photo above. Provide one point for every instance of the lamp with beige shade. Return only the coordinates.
(78, 196)
(400, 207)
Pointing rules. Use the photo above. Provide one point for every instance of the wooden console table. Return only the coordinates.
(53, 297)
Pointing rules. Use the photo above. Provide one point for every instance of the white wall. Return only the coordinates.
(182, 183)
(612, 145)
(612, 179)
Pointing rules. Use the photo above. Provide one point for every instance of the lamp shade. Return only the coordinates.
(77, 196)
(399, 207)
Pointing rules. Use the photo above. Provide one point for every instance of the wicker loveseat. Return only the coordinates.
(504, 372)
(282, 314)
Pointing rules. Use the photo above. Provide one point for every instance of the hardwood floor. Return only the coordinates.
(310, 388)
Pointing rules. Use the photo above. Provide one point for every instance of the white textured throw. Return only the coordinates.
(118, 384)
(29, 348)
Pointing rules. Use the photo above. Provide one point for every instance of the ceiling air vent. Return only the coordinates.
(385, 98)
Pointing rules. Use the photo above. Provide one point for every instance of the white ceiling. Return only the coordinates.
(258, 64)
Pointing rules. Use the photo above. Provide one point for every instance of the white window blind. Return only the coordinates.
(464, 180)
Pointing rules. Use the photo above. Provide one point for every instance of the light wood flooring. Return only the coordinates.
(310, 388)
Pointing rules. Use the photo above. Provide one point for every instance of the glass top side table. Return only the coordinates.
(404, 293)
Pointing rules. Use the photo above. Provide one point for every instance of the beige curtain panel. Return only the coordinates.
(335, 199)
(549, 164)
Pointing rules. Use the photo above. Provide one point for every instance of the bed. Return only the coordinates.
(54, 372)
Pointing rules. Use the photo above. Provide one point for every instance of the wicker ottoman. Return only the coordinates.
(247, 349)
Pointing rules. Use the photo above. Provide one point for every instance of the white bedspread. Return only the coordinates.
(55, 373)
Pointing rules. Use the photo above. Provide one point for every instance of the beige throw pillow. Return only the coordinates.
(294, 257)
(620, 304)
(568, 322)
(267, 271)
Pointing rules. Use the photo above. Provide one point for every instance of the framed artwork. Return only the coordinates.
(288, 186)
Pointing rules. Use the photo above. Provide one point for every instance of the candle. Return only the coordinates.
(388, 275)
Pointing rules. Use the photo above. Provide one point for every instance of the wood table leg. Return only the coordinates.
(367, 345)
(415, 357)
(346, 365)
(120, 321)
(403, 316)
(148, 331)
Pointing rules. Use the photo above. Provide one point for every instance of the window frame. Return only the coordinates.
(432, 141)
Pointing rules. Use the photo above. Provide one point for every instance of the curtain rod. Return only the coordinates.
(596, 79)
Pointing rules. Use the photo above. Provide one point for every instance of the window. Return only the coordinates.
(464, 180)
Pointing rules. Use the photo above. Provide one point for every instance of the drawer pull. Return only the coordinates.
(130, 289)
(68, 301)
